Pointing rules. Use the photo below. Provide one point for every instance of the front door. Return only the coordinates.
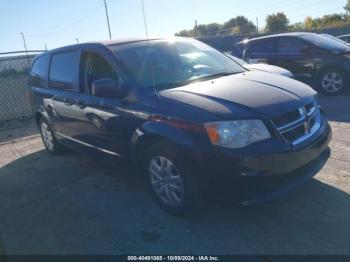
(100, 122)
(294, 54)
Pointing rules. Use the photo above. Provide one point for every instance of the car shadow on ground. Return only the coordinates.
(76, 205)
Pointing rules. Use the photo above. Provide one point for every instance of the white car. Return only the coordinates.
(262, 67)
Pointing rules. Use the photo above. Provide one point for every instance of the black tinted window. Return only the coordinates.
(291, 45)
(63, 69)
(262, 46)
(38, 74)
(325, 43)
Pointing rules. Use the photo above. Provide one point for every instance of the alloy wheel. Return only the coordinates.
(47, 136)
(166, 181)
(332, 82)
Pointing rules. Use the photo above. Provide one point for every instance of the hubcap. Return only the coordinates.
(47, 136)
(166, 181)
(332, 82)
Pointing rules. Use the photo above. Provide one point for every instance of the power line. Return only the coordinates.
(69, 26)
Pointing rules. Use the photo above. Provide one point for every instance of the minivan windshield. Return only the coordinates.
(335, 38)
(165, 64)
(326, 43)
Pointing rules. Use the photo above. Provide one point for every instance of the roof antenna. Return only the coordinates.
(144, 19)
(146, 31)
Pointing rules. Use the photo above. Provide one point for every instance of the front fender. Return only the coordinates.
(162, 130)
(41, 112)
(154, 131)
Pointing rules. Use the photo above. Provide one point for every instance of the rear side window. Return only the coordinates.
(64, 69)
(262, 46)
(38, 73)
(291, 45)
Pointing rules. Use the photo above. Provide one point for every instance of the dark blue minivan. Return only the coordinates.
(193, 121)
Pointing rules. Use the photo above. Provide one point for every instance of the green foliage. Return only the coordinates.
(300, 26)
(276, 23)
(347, 7)
(237, 25)
(326, 21)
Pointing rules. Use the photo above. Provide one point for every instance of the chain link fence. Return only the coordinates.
(14, 102)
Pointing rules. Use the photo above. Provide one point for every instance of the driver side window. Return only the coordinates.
(95, 67)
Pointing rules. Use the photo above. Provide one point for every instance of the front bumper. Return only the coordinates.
(252, 179)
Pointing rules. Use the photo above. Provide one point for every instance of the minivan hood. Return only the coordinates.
(270, 69)
(259, 92)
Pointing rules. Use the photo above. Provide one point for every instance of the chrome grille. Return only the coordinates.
(298, 125)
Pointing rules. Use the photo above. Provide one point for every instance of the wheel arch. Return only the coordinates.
(154, 132)
(41, 113)
(329, 67)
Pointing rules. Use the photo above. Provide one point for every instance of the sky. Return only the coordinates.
(57, 23)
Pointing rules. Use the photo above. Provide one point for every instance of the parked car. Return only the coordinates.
(345, 38)
(310, 57)
(262, 67)
(335, 38)
(190, 118)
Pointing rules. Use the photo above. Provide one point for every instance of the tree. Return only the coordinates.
(347, 7)
(276, 22)
(213, 29)
(185, 33)
(236, 25)
(309, 23)
(299, 26)
(326, 21)
(240, 25)
(245, 26)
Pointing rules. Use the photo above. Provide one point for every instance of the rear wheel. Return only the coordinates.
(170, 179)
(332, 81)
(48, 138)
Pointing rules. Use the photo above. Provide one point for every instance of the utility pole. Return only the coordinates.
(77, 39)
(257, 24)
(45, 47)
(109, 28)
(25, 47)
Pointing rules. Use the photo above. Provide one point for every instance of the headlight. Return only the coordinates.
(237, 134)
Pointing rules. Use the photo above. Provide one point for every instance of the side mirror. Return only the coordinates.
(108, 88)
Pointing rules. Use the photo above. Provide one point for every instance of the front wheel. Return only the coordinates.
(170, 180)
(332, 81)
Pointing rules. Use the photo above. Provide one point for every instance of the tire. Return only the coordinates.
(170, 180)
(48, 137)
(332, 81)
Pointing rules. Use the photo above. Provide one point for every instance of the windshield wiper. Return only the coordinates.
(182, 83)
(215, 76)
